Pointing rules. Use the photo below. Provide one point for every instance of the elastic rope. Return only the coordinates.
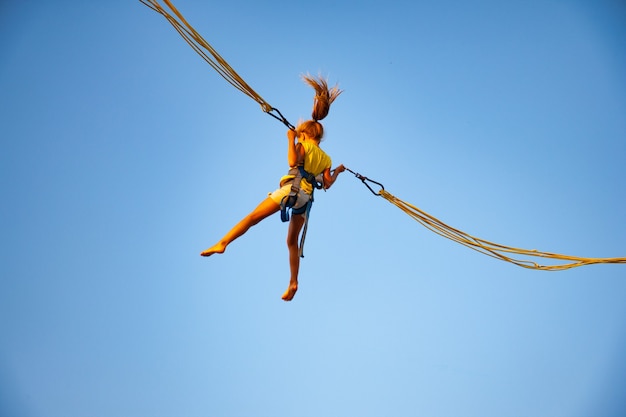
(486, 247)
(494, 250)
(211, 56)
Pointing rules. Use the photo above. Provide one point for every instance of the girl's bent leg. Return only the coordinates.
(263, 210)
(295, 226)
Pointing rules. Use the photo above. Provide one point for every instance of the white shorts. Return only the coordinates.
(278, 195)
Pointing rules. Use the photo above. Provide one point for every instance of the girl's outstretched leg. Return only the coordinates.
(295, 226)
(263, 210)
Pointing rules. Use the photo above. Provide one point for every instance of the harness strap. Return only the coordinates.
(290, 200)
(306, 226)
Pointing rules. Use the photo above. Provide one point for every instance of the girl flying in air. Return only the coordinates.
(310, 167)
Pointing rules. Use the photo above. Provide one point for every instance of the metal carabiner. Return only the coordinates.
(364, 180)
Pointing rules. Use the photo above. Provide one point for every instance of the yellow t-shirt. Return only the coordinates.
(315, 162)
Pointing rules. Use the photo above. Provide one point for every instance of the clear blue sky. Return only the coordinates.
(124, 155)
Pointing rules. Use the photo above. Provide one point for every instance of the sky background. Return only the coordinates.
(124, 155)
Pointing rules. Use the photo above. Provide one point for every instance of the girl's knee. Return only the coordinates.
(292, 242)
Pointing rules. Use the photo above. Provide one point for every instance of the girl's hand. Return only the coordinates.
(291, 135)
(331, 177)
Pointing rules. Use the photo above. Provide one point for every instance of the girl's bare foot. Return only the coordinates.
(291, 291)
(217, 248)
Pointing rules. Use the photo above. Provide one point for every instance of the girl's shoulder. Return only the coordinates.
(309, 144)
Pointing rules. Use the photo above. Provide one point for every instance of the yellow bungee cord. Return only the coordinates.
(495, 250)
(210, 55)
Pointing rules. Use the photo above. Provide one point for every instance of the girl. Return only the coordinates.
(302, 151)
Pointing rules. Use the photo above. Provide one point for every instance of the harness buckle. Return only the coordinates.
(287, 203)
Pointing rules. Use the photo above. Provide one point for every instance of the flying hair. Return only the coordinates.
(324, 96)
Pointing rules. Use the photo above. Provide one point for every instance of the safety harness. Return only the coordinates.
(289, 201)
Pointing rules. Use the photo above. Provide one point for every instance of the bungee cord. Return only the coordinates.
(483, 246)
(212, 57)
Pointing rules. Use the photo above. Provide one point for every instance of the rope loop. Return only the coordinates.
(364, 180)
(276, 114)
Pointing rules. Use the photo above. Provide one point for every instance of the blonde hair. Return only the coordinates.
(312, 128)
(324, 97)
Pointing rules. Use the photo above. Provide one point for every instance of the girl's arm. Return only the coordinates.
(295, 151)
(330, 178)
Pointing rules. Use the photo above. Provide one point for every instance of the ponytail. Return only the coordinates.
(324, 96)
